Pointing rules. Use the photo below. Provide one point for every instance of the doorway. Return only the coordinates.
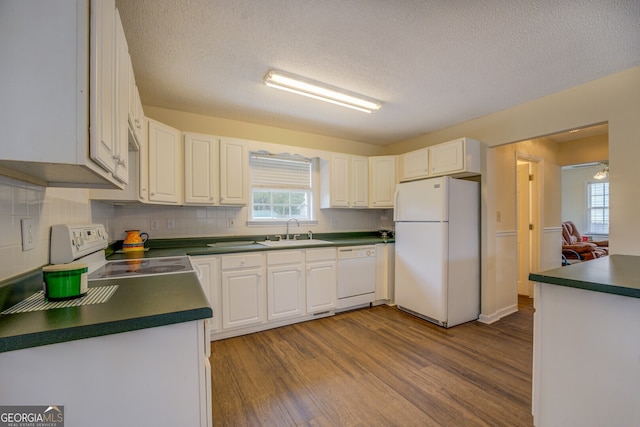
(528, 200)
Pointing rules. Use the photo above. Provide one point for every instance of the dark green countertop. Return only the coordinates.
(198, 246)
(138, 303)
(614, 274)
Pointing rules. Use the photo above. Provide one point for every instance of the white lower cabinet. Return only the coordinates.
(285, 284)
(322, 278)
(139, 372)
(208, 269)
(243, 290)
(385, 272)
(254, 291)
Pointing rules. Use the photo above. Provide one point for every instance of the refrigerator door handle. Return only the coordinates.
(396, 208)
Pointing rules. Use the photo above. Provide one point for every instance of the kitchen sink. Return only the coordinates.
(288, 243)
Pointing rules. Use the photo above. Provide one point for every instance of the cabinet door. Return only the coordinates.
(340, 171)
(121, 128)
(285, 291)
(382, 181)
(447, 158)
(165, 159)
(385, 256)
(200, 169)
(359, 181)
(207, 267)
(321, 286)
(233, 173)
(102, 84)
(134, 120)
(243, 298)
(415, 164)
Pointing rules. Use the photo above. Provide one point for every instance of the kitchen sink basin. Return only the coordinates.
(288, 243)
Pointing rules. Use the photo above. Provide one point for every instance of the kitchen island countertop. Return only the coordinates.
(614, 274)
(585, 346)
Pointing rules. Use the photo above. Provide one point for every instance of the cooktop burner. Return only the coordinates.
(142, 267)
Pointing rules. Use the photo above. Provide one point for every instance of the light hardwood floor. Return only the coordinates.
(377, 367)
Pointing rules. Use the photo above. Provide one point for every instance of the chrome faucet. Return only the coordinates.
(288, 221)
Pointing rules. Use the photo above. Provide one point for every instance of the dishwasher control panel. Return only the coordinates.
(356, 252)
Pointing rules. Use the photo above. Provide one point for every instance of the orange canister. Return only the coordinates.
(134, 241)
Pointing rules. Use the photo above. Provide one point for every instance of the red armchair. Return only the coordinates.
(573, 248)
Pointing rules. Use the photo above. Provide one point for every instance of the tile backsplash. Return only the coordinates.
(45, 206)
(191, 221)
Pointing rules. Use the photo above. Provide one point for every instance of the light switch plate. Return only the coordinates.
(28, 238)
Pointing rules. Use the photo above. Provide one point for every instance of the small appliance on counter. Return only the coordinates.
(65, 281)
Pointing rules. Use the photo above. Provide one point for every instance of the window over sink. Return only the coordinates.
(281, 187)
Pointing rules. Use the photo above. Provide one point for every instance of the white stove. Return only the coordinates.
(87, 244)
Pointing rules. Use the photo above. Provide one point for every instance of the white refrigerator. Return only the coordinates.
(437, 263)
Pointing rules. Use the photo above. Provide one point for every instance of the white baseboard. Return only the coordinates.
(488, 319)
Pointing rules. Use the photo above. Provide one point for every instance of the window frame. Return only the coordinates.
(590, 208)
(310, 191)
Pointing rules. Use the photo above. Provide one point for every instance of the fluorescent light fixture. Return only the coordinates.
(323, 92)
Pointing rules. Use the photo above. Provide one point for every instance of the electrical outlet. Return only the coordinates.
(155, 225)
(498, 216)
(28, 239)
(231, 222)
(171, 224)
(334, 222)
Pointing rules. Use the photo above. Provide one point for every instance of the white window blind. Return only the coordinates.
(280, 172)
(281, 187)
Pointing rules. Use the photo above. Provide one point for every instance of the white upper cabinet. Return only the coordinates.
(201, 169)
(459, 158)
(339, 186)
(344, 181)
(359, 181)
(382, 181)
(135, 117)
(102, 95)
(234, 172)
(121, 128)
(165, 164)
(54, 55)
(415, 164)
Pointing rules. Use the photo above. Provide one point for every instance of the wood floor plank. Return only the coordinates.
(377, 366)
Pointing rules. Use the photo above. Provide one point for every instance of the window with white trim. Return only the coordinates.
(598, 207)
(281, 187)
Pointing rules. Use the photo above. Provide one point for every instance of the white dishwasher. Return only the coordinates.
(356, 276)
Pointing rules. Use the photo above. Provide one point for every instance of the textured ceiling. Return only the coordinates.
(433, 63)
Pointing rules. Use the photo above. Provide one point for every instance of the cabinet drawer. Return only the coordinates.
(320, 254)
(230, 262)
(284, 257)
